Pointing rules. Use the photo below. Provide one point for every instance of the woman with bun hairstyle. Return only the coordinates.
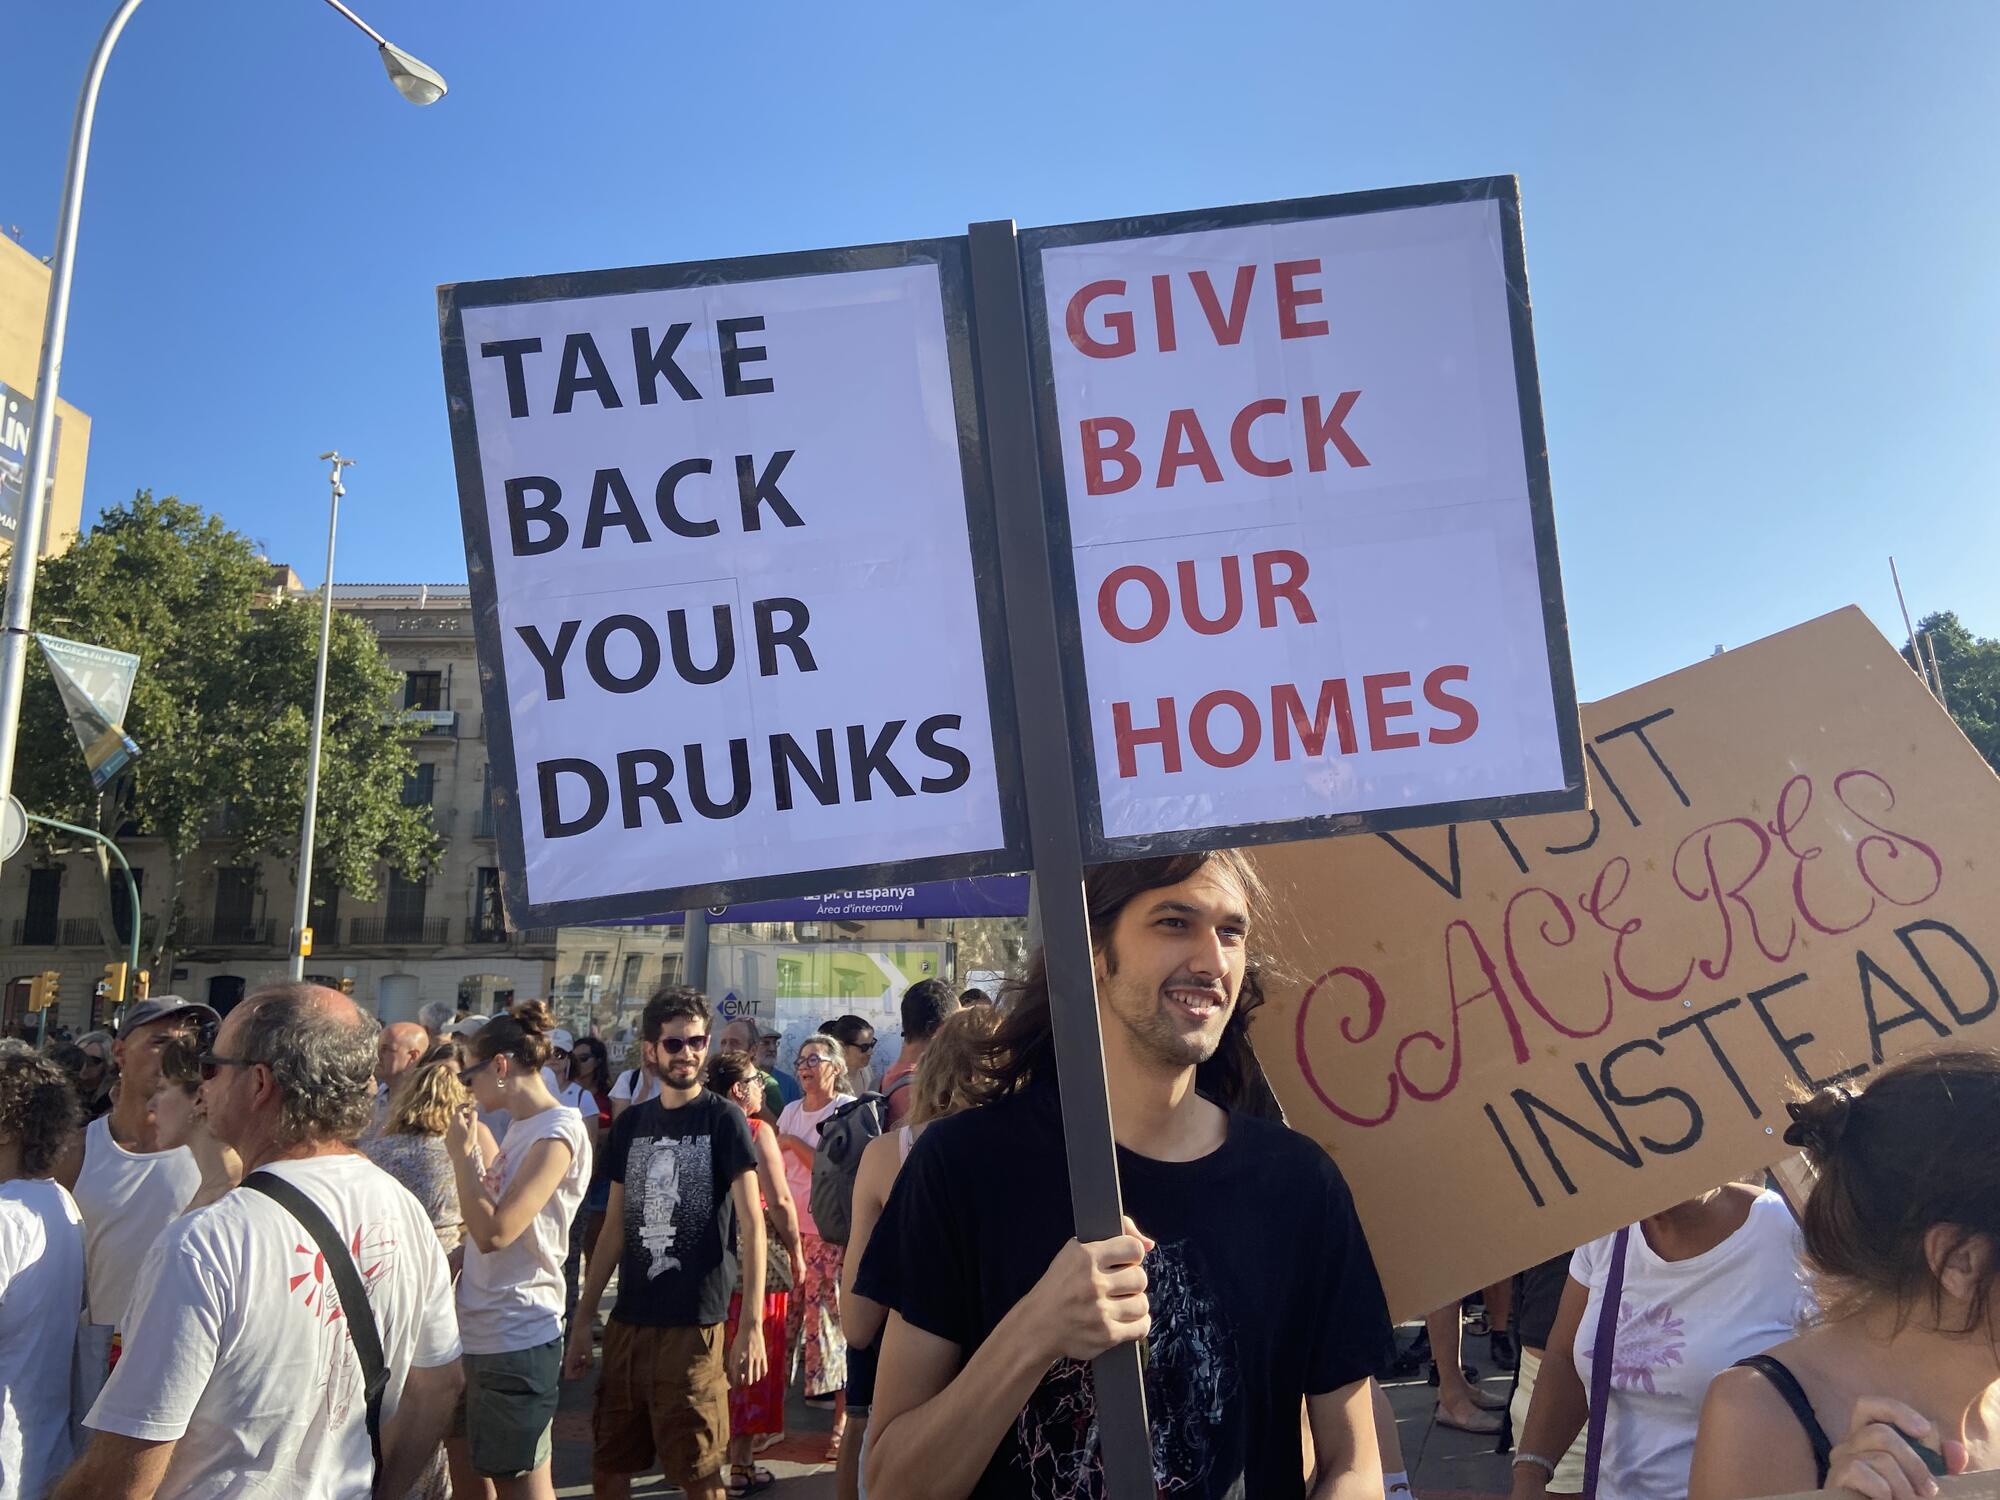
(1898, 1378)
(517, 1214)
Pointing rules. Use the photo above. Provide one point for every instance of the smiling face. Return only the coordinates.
(1170, 971)
(677, 1061)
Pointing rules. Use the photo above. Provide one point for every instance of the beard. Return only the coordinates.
(1161, 1026)
(679, 1074)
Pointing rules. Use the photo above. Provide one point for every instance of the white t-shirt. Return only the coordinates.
(512, 1298)
(236, 1348)
(796, 1119)
(41, 1295)
(126, 1199)
(1680, 1324)
(647, 1086)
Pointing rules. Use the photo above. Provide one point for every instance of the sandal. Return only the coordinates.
(833, 1442)
(748, 1479)
(1485, 1424)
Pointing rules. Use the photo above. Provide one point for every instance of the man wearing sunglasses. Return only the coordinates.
(683, 1172)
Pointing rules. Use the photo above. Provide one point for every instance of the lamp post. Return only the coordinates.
(302, 907)
(414, 80)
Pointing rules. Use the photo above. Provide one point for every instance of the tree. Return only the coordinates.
(1970, 669)
(221, 711)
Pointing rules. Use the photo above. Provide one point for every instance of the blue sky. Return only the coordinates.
(1762, 238)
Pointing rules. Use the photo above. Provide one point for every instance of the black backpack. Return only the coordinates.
(843, 1136)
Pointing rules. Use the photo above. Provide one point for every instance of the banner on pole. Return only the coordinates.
(731, 541)
(96, 687)
(1557, 1025)
(1305, 550)
(17, 420)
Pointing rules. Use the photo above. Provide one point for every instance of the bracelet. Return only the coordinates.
(1546, 1464)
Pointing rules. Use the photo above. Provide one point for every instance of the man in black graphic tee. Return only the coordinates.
(683, 1179)
(1244, 1266)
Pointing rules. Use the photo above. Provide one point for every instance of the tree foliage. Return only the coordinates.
(1970, 668)
(221, 711)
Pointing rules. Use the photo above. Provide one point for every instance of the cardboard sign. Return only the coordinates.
(1306, 536)
(1516, 1036)
(730, 540)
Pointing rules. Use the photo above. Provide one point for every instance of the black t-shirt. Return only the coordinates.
(1261, 1285)
(1537, 1293)
(679, 1262)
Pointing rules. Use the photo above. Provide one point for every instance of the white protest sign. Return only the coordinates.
(1313, 557)
(723, 556)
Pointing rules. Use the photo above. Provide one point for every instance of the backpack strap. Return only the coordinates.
(354, 1304)
(1795, 1397)
(1602, 1348)
(900, 1083)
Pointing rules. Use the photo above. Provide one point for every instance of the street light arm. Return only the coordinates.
(374, 35)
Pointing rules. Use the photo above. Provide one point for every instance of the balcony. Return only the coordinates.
(398, 932)
(439, 722)
(42, 934)
(531, 937)
(230, 935)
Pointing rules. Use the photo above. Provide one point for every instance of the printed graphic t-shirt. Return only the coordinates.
(237, 1351)
(512, 1298)
(1680, 1324)
(678, 1266)
(1261, 1285)
(41, 1291)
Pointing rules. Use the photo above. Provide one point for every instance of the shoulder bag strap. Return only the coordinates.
(1602, 1347)
(1780, 1375)
(354, 1304)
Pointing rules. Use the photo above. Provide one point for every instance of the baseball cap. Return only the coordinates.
(563, 1041)
(158, 1008)
(465, 1026)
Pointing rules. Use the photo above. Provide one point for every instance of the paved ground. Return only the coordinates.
(1444, 1465)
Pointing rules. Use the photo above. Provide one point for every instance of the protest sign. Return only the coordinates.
(1305, 555)
(1515, 1036)
(730, 542)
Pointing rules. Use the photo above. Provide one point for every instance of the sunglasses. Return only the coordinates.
(466, 1075)
(674, 1046)
(210, 1064)
(867, 1046)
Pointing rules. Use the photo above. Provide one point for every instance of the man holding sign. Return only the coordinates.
(1243, 1265)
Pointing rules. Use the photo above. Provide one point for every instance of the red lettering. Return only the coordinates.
(1451, 703)
(1118, 450)
(1792, 810)
(1165, 734)
(1595, 903)
(1712, 889)
(1292, 297)
(1264, 566)
(1157, 605)
(1227, 330)
(1322, 430)
(1381, 710)
(1882, 840)
(1377, 1004)
(1239, 440)
(1120, 323)
(1458, 1006)
(1569, 935)
(1232, 597)
(1163, 312)
(1185, 444)
(1288, 715)
(1246, 713)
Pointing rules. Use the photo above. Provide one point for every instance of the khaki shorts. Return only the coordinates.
(662, 1396)
(1568, 1477)
(509, 1407)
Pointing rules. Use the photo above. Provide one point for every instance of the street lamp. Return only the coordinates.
(302, 907)
(414, 80)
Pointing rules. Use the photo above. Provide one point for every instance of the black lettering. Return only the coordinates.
(821, 776)
(1611, 786)
(1622, 1148)
(1906, 935)
(754, 489)
(1520, 1167)
(1507, 839)
(511, 351)
(666, 501)
(597, 798)
(792, 636)
(583, 370)
(1796, 1043)
(1868, 972)
(734, 358)
(611, 504)
(739, 776)
(600, 668)
(651, 363)
(550, 661)
(632, 790)
(957, 764)
(1634, 1101)
(520, 513)
(1699, 1021)
(725, 646)
(1453, 887)
(1596, 826)
(1637, 729)
(866, 761)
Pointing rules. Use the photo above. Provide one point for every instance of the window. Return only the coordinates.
(420, 786)
(235, 900)
(323, 911)
(485, 802)
(121, 903)
(670, 968)
(423, 690)
(44, 897)
(635, 965)
(406, 910)
(489, 921)
(594, 962)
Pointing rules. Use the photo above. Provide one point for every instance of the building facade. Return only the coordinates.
(24, 295)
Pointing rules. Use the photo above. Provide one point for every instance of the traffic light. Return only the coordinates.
(305, 942)
(114, 982)
(45, 991)
(143, 985)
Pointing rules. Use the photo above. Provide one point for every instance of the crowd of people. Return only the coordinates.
(289, 1252)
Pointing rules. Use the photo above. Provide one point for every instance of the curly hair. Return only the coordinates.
(38, 1106)
(423, 1102)
(322, 1061)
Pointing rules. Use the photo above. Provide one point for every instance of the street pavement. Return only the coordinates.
(1443, 1464)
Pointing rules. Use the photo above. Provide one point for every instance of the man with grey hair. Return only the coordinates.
(436, 1017)
(238, 1374)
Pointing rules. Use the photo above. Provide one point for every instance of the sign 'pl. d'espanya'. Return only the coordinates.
(1309, 528)
(722, 523)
